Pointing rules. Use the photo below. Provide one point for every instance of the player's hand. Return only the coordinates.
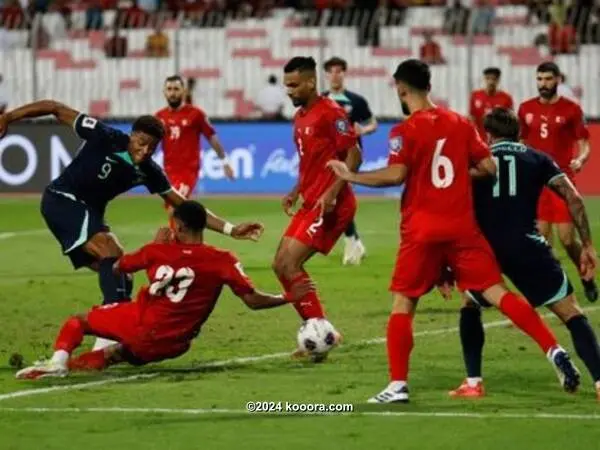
(288, 202)
(340, 169)
(326, 203)
(3, 125)
(228, 171)
(248, 231)
(588, 262)
(576, 165)
(164, 235)
(299, 290)
(358, 129)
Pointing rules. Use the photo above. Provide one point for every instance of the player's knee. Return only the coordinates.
(284, 265)
(104, 245)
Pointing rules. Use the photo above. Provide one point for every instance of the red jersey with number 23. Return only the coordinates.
(438, 147)
(181, 145)
(322, 132)
(553, 128)
(185, 283)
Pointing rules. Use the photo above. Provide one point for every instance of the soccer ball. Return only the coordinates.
(316, 336)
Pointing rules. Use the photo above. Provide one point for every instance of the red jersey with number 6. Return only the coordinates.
(438, 147)
(322, 132)
(185, 283)
(181, 145)
(553, 128)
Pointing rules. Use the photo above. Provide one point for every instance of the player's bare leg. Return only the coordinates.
(115, 287)
(582, 334)
(566, 235)
(527, 320)
(472, 338)
(399, 346)
(288, 265)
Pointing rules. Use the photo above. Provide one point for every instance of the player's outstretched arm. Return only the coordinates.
(392, 175)
(485, 168)
(63, 113)
(215, 142)
(260, 300)
(583, 155)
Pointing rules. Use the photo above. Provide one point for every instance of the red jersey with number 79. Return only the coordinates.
(438, 146)
(322, 132)
(185, 283)
(553, 128)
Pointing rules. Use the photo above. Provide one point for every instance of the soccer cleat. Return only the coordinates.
(358, 253)
(591, 290)
(391, 394)
(349, 244)
(567, 373)
(467, 391)
(42, 369)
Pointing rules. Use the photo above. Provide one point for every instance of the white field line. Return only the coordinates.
(199, 412)
(234, 361)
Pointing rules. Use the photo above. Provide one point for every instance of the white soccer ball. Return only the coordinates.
(316, 336)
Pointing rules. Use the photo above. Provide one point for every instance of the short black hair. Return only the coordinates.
(502, 123)
(415, 73)
(549, 66)
(494, 71)
(336, 61)
(174, 78)
(192, 214)
(149, 125)
(300, 64)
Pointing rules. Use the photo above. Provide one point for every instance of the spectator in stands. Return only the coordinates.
(271, 100)
(538, 9)
(133, 17)
(484, 17)
(369, 23)
(456, 18)
(3, 95)
(562, 35)
(157, 44)
(149, 6)
(431, 52)
(116, 46)
(94, 18)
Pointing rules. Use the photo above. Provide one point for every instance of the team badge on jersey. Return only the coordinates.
(396, 145)
(528, 118)
(342, 126)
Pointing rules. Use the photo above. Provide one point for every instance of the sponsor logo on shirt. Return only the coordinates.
(395, 145)
(342, 126)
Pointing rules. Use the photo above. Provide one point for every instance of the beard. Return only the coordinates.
(405, 109)
(548, 93)
(297, 102)
(175, 103)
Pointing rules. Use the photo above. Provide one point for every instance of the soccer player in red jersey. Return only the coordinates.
(555, 125)
(186, 278)
(432, 153)
(484, 100)
(321, 132)
(184, 125)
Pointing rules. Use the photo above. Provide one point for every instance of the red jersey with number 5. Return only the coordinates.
(181, 145)
(185, 283)
(553, 128)
(321, 132)
(438, 147)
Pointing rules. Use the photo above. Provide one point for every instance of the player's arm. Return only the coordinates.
(480, 156)
(583, 143)
(63, 113)
(565, 189)
(261, 300)
(484, 169)
(392, 175)
(366, 121)
(523, 127)
(352, 162)
(472, 108)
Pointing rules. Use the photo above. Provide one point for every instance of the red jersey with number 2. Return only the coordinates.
(181, 145)
(185, 283)
(438, 147)
(553, 129)
(322, 132)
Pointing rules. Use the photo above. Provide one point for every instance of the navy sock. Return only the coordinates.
(351, 230)
(472, 338)
(586, 344)
(115, 288)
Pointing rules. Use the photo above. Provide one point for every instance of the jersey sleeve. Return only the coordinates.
(478, 149)
(399, 148)
(235, 277)
(342, 133)
(362, 112)
(155, 179)
(523, 127)
(136, 261)
(549, 168)
(579, 125)
(90, 129)
(204, 125)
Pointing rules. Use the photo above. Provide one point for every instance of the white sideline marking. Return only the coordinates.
(197, 412)
(232, 361)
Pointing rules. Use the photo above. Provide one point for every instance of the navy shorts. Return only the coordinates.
(529, 263)
(72, 223)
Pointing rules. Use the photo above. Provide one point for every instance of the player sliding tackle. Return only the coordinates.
(431, 152)
(321, 132)
(108, 164)
(186, 278)
(506, 210)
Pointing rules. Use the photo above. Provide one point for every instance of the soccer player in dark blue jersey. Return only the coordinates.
(506, 209)
(108, 164)
(364, 123)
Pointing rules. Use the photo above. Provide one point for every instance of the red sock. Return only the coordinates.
(524, 316)
(399, 345)
(308, 306)
(88, 361)
(70, 335)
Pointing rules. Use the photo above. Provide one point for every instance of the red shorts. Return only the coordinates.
(321, 233)
(121, 322)
(552, 208)
(183, 182)
(419, 265)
